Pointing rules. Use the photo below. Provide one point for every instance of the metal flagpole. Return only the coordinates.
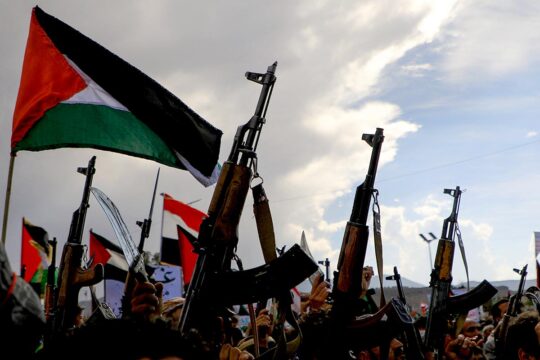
(8, 195)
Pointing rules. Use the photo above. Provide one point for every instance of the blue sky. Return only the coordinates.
(453, 84)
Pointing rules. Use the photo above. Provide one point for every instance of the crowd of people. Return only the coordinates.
(151, 330)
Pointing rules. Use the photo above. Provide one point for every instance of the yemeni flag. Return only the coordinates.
(103, 251)
(180, 228)
(35, 250)
(76, 93)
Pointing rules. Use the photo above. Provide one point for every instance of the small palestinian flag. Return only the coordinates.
(103, 251)
(76, 93)
(35, 249)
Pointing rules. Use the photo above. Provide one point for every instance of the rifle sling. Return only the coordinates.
(462, 251)
(265, 229)
(378, 243)
(265, 226)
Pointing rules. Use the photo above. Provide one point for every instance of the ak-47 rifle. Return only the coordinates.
(218, 237)
(397, 278)
(131, 276)
(348, 277)
(512, 311)
(71, 275)
(443, 306)
(412, 338)
(214, 285)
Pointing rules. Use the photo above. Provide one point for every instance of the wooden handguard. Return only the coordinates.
(444, 260)
(228, 201)
(350, 266)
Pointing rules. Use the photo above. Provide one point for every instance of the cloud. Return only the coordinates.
(491, 39)
(531, 134)
(416, 70)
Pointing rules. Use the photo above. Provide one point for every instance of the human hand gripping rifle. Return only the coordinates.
(213, 285)
(443, 306)
(71, 275)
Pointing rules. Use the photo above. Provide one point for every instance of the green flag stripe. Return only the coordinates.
(99, 127)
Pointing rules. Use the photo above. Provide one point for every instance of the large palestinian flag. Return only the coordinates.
(76, 93)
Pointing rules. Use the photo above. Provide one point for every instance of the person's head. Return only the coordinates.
(367, 274)
(471, 329)
(79, 318)
(499, 309)
(395, 352)
(522, 340)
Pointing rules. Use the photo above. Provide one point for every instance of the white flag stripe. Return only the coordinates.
(117, 260)
(170, 221)
(93, 93)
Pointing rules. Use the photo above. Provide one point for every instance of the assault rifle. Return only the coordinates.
(348, 277)
(391, 321)
(399, 285)
(444, 307)
(214, 285)
(512, 311)
(411, 335)
(71, 275)
(129, 284)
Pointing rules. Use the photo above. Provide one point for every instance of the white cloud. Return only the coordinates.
(416, 70)
(491, 39)
(531, 134)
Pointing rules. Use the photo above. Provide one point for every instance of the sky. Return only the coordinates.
(452, 83)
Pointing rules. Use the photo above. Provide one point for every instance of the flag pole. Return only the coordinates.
(8, 195)
(162, 217)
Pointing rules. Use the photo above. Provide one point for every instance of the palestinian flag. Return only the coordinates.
(35, 250)
(180, 228)
(76, 93)
(103, 251)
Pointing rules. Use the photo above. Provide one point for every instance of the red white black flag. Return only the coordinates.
(180, 228)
